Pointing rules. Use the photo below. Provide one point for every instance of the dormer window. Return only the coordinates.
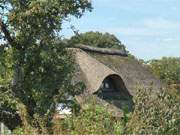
(113, 91)
(106, 85)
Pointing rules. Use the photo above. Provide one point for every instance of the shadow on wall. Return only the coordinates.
(114, 91)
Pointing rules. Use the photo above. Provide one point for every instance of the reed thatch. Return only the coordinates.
(127, 73)
(95, 67)
(106, 51)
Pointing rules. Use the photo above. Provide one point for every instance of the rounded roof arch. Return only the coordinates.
(118, 84)
(94, 72)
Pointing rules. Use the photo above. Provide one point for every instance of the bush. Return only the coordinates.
(93, 121)
(154, 114)
(166, 69)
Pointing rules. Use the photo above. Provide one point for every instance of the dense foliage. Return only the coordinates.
(97, 39)
(154, 114)
(34, 69)
(94, 120)
(159, 115)
(167, 69)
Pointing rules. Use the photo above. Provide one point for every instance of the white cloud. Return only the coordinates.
(161, 24)
(148, 27)
(133, 31)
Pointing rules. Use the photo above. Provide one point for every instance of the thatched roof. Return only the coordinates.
(128, 73)
(95, 67)
(131, 71)
(122, 52)
(92, 70)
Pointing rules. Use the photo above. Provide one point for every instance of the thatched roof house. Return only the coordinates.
(110, 76)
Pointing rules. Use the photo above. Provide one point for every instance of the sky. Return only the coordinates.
(150, 29)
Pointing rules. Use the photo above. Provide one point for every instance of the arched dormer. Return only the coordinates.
(114, 91)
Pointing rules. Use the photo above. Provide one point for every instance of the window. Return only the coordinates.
(107, 85)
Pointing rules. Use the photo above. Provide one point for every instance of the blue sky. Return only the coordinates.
(149, 28)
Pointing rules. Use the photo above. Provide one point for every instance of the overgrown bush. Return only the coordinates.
(156, 114)
(93, 121)
(166, 69)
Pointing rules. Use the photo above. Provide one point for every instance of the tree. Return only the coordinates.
(35, 70)
(97, 39)
(167, 69)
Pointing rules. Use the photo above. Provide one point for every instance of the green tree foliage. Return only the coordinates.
(154, 114)
(34, 69)
(97, 39)
(5, 65)
(167, 69)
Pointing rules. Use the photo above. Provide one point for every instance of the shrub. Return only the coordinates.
(93, 121)
(155, 114)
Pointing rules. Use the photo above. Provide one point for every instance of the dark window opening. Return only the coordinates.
(107, 86)
(114, 91)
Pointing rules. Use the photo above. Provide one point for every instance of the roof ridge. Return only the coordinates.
(107, 51)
